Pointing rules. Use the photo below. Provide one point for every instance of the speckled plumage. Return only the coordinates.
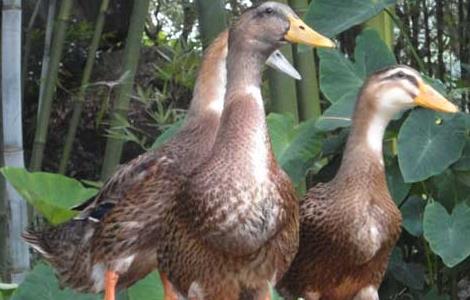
(349, 226)
(234, 228)
(118, 229)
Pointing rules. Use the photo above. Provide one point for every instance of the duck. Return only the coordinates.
(109, 245)
(234, 227)
(349, 225)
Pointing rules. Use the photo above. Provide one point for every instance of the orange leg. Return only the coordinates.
(110, 281)
(169, 293)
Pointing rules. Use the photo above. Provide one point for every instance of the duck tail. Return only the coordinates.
(35, 240)
(60, 245)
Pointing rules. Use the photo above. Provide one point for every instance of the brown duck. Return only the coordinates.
(349, 225)
(234, 227)
(114, 233)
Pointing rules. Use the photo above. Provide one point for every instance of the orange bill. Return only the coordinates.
(300, 33)
(430, 98)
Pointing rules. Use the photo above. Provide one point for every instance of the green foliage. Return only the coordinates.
(41, 284)
(51, 194)
(295, 146)
(341, 79)
(6, 290)
(448, 233)
(149, 288)
(331, 17)
(428, 144)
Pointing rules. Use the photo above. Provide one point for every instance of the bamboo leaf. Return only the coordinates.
(51, 194)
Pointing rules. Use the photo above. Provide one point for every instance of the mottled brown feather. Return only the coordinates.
(136, 198)
(338, 254)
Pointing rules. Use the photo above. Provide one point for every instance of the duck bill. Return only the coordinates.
(279, 62)
(300, 33)
(428, 97)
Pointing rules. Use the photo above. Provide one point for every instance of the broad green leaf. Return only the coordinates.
(51, 194)
(295, 147)
(331, 17)
(341, 80)
(41, 284)
(396, 185)
(448, 234)
(371, 53)
(448, 190)
(167, 134)
(412, 213)
(149, 288)
(6, 290)
(428, 144)
(409, 274)
(433, 294)
(463, 164)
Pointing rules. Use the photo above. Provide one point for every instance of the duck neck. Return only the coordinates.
(243, 135)
(363, 152)
(209, 90)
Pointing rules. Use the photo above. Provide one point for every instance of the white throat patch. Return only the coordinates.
(259, 152)
(217, 104)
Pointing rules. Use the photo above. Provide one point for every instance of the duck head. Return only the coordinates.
(400, 87)
(267, 27)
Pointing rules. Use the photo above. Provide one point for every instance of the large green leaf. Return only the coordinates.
(149, 288)
(412, 213)
(428, 144)
(331, 17)
(295, 146)
(341, 80)
(6, 290)
(448, 234)
(51, 194)
(41, 284)
(409, 274)
(397, 186)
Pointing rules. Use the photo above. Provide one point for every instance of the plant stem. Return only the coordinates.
(212, 19)
(78, 104)
(27, 45)
(384, 26)
(130, 60)
(12, 139)
(308, 91)
(42, 122)
(429, 263)
(399, 24)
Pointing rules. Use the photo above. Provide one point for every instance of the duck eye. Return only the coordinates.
(268, 10)
(400, 75)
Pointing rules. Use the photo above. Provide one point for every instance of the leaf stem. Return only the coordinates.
(399, 24)
(429, 263)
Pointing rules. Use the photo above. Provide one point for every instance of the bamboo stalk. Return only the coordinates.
(27, 45)
(78, 104)
(308, 91)
(42, 122)
(383, 23)
(212, 19)
(17, 213)
(47, 49)
(130, 60)
(282, 88)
